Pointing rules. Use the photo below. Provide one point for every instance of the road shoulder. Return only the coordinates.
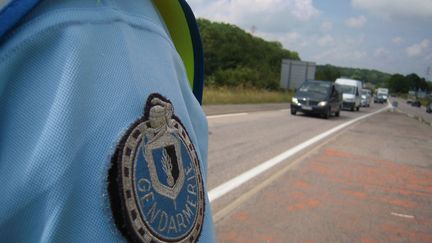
(340, 194)
(239, 108)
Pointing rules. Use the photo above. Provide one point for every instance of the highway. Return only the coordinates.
(249, 151)
(418, 113)
(241, 141)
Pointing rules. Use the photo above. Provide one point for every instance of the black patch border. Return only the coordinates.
(115, 185)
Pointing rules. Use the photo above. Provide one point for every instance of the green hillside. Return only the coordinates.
(330, 72)
(234, 57)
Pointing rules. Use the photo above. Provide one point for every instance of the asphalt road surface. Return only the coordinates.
(418, 113)
(296, 197)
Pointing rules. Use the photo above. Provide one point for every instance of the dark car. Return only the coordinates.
(380, 98)
(416, 103)
(317, 97)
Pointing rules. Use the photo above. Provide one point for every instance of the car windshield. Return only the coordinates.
(315, 87)
(346, 89)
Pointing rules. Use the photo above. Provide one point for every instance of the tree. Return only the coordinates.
(358, 75)
(398, 84)
(327, 72)
(233, 57)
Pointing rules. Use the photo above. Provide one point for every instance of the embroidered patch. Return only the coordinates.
(155, 183)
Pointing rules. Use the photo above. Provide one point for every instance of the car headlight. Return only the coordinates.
(322, 103)
(294, 100)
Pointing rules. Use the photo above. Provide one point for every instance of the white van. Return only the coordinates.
(351, 90)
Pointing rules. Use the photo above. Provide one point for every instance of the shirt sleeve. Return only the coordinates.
(74, 77)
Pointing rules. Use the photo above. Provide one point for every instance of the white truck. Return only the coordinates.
(381, 95)
(351, 90)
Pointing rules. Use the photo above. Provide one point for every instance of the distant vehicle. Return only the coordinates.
(351, 90)
(429, 108)
(317, 97)
(381, 95)
(411, 97)
(416, 103)
(366, 98)
(380, 98)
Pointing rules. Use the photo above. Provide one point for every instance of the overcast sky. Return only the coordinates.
(393, 36)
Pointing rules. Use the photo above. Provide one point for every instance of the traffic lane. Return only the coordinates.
(346, 191)
(230, 168)
(419, 112)
(238, 143)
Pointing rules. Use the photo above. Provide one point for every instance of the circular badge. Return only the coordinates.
(156, 187)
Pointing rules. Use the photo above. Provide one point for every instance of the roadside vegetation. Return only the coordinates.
(425, 101)
(331, 73)
(234, 57)
(398, 83)
(242, 68)
(240, 95)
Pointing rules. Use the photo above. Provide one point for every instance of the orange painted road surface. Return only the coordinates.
(371, 182)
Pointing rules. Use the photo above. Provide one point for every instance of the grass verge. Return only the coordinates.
(241, 95)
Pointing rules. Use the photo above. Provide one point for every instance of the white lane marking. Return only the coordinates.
(284, 109)
(247, 195)
(403, 215)
(235, 182)
(227, 115)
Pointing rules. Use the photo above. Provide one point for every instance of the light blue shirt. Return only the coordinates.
(74, 75)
